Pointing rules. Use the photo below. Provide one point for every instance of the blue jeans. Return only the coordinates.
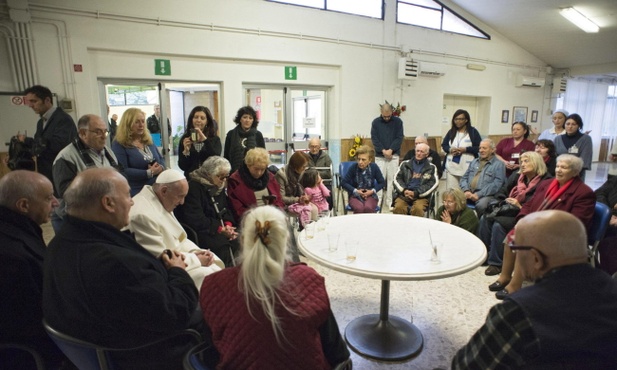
(492, 235)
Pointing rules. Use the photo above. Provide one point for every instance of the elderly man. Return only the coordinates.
(387, 137)
(484, 177)
(156, 228)
(319, 158)
(26, 202)
(565, 320)
(54, 130)
(101, 286)
(87, 151)
(433, 156)
(414, 182)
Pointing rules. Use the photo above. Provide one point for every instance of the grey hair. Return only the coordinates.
(16, 185)
(212, 167)
(84, 121)
(459, 198)
(576, 164)
(85, 191)
(263, 265)
(490, 142)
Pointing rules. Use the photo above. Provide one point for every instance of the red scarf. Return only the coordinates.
(553, 192)
(520, 190)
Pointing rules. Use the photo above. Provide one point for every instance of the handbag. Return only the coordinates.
(501, 209)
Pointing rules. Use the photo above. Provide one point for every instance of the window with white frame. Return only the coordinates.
(432, 14)
(368, 8)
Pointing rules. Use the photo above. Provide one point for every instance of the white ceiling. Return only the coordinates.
(537, 27)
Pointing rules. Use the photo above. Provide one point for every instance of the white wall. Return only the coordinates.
(330, 49)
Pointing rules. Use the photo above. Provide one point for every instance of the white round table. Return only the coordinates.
(392, 247)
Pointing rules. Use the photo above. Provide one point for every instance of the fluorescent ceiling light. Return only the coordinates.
(579, 20)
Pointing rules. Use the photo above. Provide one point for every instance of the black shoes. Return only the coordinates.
(497, 286)
(492, 270)
(501, 294)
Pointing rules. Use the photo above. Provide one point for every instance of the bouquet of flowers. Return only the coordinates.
(357, 141)
(396, 110)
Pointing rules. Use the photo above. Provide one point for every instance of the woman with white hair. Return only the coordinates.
(566, 192)
(206, 209)
(268, 313)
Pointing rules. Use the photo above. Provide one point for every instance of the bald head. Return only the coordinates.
(559, 235)
(28, 193)
(99, 194)
(314, 145)
(420, 140)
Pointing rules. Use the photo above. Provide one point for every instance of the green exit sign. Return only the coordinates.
(291, 73)
(162, 67)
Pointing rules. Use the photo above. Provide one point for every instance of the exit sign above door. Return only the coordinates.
(162, 67)
(291, 73)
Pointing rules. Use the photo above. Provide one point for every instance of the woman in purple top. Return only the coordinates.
(509, 150)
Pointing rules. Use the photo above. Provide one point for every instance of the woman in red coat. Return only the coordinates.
(268, 313)
(566, 192)
(253, 185)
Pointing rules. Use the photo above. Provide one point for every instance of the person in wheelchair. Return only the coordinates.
(414, 183)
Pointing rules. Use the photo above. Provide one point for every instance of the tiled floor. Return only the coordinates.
(447, 311)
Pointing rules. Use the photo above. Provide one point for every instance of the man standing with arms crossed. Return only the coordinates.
(387, 137)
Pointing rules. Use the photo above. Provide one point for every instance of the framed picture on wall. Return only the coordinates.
(519, 114)
(534, 116)
(505, 116)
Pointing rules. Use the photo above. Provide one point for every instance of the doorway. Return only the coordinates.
(289, 116)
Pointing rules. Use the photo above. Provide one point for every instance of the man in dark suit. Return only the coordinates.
(26, 201)
(54, 130)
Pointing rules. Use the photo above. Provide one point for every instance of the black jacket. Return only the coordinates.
(102, 287)
(51, 138)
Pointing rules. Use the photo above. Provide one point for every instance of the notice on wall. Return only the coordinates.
(308, 122)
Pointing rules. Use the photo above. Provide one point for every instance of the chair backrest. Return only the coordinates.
(15, 347)
(201, 357)
(86, 356)
(191, 234)
(599, 224)
(343, 167)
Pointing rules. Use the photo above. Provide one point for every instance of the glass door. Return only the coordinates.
(288, 117)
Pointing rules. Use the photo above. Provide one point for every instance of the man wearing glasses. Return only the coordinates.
(565, 320)
(87, 151)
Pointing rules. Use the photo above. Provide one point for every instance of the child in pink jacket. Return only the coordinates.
(314, 187)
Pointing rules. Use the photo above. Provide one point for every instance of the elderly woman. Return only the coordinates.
(135, 150)
(206, 209)
(575, 142)
(566, 192)
(546, 149)
(362, 181)
(518, 189)
(509, 150)
(200, 140)
(292, 190)
(559, 121)
(454, 211)
(253, 185)
(280, 309)
(461, 145)
(243, 138)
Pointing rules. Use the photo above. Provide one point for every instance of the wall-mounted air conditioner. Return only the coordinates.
(432, 69)
(407, 69)
(527, 81)
(559, 85)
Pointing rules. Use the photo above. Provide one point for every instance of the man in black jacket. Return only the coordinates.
(101, 286)
(26, 201)
(54, 130)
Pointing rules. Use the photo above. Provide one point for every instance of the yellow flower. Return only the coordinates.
(357, 140)
(352, 152)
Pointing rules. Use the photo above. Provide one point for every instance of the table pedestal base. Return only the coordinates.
(393, 339)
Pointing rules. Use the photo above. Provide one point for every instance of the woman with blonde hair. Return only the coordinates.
(454, 211)
(518, 189)
(363, 181)
(268, 313)
(252, 185)
(135, 151)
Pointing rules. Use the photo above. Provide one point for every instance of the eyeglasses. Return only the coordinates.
(514, 248)
(99, 132)
(315, 146)
(222, 177)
